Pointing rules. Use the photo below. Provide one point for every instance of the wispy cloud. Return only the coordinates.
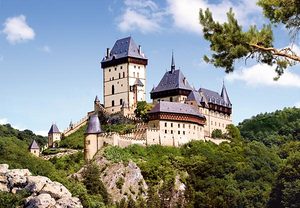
(262, 75)
(185, 13)
(144, 16)
(46, 49)
(17, 30)
(3, 121)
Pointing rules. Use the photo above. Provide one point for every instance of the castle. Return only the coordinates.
(180, 113)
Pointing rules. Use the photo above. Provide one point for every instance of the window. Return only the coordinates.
(178, 125)
(139, 67)
(171, 131)
(119, 75)
(88, 142)
(171, 124)
(115, 68)
(121, 67)
(134, 66)
(123, 74)
(183, 125)
(113, 89)
(178, 132)
(183, 132)
(112, 78)
(109, 70)
(166, 131)
(166, 124)
(112, 103)
(171, 99)
(121, 101)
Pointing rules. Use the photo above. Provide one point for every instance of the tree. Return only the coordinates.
(142, 109)
(229, 42)
(216, 133)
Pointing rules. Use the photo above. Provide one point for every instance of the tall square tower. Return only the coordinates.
(124, 76)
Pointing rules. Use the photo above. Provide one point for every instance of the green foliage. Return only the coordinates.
(70, 163)
(118, 128)
(93, 183)
(74, 140)
(52, 151)
(273, 128)
(142, 110)
(228, 41)
(286, 191)
(12, 200)
(217, 133)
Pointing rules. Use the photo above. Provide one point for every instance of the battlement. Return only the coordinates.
(76, 126)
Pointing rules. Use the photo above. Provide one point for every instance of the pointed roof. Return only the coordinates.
(94, 126)
(214, 97)
(34, 145)
(138, 82)
(53, 129)
(224, 95)
(195, 96)
(172, 62)
(175, 107)
(125, 47)
(172, 80)
(96, 99)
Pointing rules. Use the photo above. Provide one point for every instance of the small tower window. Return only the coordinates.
(123, 74)
(113, 89)
(171, 99)
(112, 103)
(119, 75)
(121, 101)
(115, 68)
(121, 67)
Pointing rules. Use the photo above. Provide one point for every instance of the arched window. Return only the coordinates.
(113, 89)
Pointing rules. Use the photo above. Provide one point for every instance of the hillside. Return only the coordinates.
(272, 128)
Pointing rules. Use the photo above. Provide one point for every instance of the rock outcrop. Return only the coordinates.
(120, 179)
(44, 192)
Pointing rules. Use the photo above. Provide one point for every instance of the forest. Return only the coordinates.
(258, 168)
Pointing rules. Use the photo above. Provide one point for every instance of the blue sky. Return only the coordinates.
(50, 54)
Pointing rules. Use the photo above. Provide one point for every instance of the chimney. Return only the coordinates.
(140, 49)
(107, 52)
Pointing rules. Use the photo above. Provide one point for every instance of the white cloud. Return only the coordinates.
(144, 16)
(3, 121)
(46, 49)
(262, 75)
(17, 30)
(297, 104)
(185, 13)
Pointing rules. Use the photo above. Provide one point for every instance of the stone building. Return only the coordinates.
(174, 87)
(54, 135)
(124, 76)
(34, 148)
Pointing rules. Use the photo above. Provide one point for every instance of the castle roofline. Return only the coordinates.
(53, 129)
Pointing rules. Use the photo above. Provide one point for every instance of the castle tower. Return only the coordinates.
(34, 148)
(91, 144)
(54, 135)
(124, 75)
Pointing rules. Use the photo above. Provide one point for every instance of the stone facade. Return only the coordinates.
(124, 76)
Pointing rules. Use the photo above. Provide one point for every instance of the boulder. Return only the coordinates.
(56, 190)
(40, 201)
(36, 183)
(3, 168)
(67, 202)
(4, 187)
(17, 177)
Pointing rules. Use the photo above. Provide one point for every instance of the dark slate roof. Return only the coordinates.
(34, 145)
(138, 82)
(224, 95)
(213, 97)
(195, 96)
(125, 47)
(175, 107)
(53, 129)
(172, 80)
(94, 126)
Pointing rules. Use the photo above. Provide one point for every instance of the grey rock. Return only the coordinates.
(17, 177)
(40, 201)
(56, 190)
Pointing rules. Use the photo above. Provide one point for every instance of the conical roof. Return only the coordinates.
(34, 145)
(94, 126)
(53, 129)
(225, 96)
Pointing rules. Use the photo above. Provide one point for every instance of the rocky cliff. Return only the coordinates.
(43, 192)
